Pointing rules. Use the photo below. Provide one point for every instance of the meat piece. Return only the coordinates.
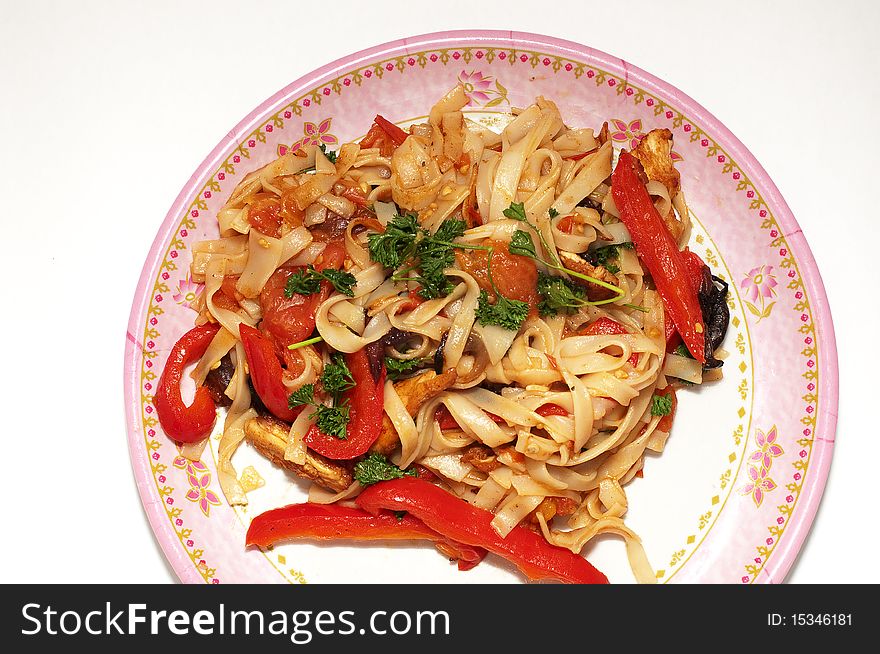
(594, 291)
(654, 153)
(480, 457)
(414, 392)
(269, 436)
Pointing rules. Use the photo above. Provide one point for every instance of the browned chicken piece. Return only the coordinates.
(414, 392)
(269, 436)
(594, 291)
(480, 457)
(654, 153)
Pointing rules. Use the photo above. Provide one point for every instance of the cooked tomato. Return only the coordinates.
(515, 276)
(378, 138)
(566, 225)
(291, 320)
(227, 297)
(264, 215)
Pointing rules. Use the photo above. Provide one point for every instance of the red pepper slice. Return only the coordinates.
(605, 326)
(657, 249)
(396, 134)
(465, 523)
(331, 521)
(695, 267)
(186, 424)
(551, 410)
(444, 417)
(266, 373)
(366, 403)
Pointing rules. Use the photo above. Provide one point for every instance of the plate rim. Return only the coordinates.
(810, 497)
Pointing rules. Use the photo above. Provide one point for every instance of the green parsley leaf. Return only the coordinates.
(516, 211)
(304, 282)
(522, 244)
(376, 468)
(450, 229)
(308, 281)
(558, 295)
(342, 281)
(333, 420)
(682, 351)
(603, 256)
(506, 313)
(661, 405)
(301, 396)
(553, 213)
(337, 378)
(330, 154)
(397, 243)
(398, 368)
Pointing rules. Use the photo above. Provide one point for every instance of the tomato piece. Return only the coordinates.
(566, 225)
(264, 215)
(378, 138)
(291, 320)
(515, 276)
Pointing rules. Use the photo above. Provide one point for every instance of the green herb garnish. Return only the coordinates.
(330, 154)
(308, 281)
(506, 313)
(397, 368)
(376, 468)
(337, 378)
(661, 405)
(604, 256)
(302, 396)
(558, 295)
(333, 420)
(553, 213)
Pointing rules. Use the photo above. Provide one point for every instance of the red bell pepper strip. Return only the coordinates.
(186, 424)
(366, 403)
(551, 410)
(657, 249)
(695, 268)
(331, 521)
(397, 135)
(444, 417)
(465, 523)
(266, 373)
(605, 326)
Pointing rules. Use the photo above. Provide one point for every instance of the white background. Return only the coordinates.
(107, 108)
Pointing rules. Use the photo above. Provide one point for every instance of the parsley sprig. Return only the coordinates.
(661, 405)
(397, 368)
(335, 380)
(376, 468)
(604, 256)
(308, 281)
(556, 296)
(422, 257)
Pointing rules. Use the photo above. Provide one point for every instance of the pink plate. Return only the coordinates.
(733, 496)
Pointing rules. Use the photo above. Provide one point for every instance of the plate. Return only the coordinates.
(731, 499)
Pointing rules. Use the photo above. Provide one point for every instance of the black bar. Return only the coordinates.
(525, 618)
